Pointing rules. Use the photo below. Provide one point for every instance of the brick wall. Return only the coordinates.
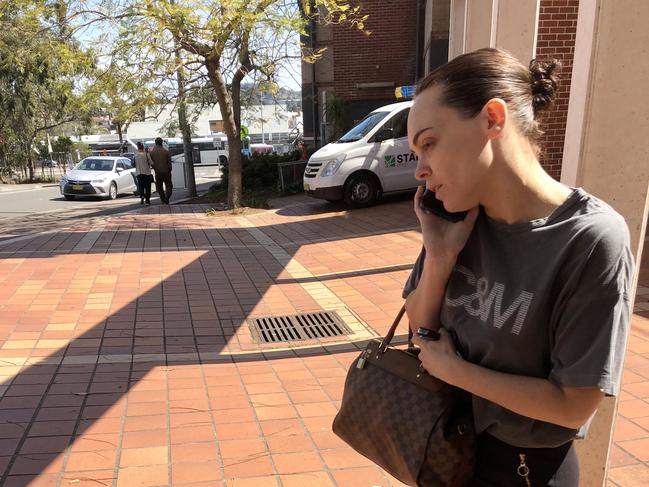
(387, 55)
(556, 39)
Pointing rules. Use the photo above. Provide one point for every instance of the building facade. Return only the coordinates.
(409, 38)
(272, 124)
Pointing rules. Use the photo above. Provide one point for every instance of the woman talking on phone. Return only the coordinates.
(532, 286)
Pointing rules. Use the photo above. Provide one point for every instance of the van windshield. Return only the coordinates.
(362, 128)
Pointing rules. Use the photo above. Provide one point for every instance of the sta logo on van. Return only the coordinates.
(400, 160)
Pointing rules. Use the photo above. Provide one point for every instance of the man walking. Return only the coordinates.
(162, 167)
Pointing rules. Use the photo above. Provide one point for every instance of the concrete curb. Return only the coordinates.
(17, 188)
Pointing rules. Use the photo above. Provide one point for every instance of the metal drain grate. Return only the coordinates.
(305, 326)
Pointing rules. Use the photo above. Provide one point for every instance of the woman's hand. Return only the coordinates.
(443, 239)
(439, 357)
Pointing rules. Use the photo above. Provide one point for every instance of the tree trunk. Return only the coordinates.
(119, 132)
(30, 169)
(230, 127)
(30, 161)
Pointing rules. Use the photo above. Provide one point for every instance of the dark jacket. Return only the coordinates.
(161, 159)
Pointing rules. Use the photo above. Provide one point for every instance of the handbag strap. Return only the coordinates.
(390, 334)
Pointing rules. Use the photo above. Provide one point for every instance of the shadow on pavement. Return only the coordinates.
(213, 279)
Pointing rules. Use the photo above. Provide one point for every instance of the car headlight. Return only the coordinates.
(99, 180)
(332, 166)
(63, 180)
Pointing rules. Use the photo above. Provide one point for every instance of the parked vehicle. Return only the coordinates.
(371, 159)
(48, 163)
(104, 176)
(130, 156)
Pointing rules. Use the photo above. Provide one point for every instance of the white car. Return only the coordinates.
(99, 176)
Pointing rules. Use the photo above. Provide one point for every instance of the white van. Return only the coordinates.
(371, 159)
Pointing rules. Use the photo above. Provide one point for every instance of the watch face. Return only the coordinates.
(428, 333)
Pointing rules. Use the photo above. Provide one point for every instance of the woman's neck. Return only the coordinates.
(518, 189)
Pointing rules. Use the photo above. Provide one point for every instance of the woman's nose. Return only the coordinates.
(422, 171)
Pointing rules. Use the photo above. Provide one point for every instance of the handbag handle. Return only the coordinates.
(390, 334)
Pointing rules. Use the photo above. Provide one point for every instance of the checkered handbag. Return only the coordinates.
(414, 426)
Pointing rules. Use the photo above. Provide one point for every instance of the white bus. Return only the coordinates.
(206, 150)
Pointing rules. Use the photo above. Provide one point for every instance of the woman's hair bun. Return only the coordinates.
(545, 82)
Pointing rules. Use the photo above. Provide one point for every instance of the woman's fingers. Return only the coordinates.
(418, 195)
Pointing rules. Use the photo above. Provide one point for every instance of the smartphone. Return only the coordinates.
(430, 204)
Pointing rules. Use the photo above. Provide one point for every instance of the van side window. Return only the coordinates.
(398, 124)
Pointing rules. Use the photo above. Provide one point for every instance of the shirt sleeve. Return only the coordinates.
(415, 274)
(593, 318)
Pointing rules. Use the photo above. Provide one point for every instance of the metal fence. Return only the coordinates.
(291, 175)
(50, 168)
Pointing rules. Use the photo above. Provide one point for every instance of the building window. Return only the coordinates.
(216, 126)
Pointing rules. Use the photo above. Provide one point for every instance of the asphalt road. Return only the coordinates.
(25, 208)
(23, 202)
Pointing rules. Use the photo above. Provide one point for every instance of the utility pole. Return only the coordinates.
(185, 129)
(182, 122)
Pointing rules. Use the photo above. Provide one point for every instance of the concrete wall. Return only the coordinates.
(505, 24)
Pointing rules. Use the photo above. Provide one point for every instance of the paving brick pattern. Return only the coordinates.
(125, 359)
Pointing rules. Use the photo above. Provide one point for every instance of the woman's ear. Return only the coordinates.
(494, 116)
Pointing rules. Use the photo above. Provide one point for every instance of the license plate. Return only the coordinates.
(306, 187)
(77, 187)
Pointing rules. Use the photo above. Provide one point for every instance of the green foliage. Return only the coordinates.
(62, 144)
(84, 149)
(43, 74)
(337, 115)
(260, 171)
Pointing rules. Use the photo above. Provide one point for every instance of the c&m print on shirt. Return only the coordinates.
(486, 300)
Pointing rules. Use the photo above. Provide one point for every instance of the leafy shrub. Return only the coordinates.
(260, 170)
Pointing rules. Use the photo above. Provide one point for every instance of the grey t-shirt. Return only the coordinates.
(547, 298)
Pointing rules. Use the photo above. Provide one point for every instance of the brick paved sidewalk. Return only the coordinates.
(126, 361)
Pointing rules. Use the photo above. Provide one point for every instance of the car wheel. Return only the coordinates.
(68, 197)
(361, 191)
(112, 192)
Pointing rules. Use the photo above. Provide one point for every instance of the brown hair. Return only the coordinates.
(469, 81)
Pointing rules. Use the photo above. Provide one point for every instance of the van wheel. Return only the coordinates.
(223, 160)
(361, 191)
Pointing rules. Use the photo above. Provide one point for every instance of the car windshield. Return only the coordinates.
(95, 165)
(362, 128)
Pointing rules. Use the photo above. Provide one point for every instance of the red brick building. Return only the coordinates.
(556, 39)
(409, 38)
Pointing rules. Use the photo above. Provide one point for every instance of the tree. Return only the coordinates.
(123, 95)
(226, 42)
(43, 75)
